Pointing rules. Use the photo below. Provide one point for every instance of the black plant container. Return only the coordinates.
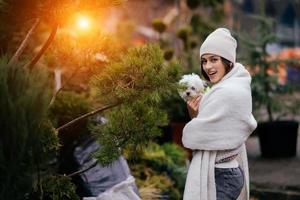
(278, 139)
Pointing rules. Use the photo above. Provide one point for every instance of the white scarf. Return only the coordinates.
(224, 123)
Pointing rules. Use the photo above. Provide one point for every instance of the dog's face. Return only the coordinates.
(191, 86)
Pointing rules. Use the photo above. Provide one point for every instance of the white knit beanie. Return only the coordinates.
(221, 43)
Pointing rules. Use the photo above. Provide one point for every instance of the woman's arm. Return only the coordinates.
(225, 121)
(193, 106)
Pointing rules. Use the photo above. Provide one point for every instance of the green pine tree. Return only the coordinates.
(28, 141)
(135, 86)
(268, 94)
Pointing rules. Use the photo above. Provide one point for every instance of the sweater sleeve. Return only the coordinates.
(224, 121)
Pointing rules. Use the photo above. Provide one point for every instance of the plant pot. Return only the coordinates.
(278, 139)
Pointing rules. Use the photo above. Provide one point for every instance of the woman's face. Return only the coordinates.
(213, 67)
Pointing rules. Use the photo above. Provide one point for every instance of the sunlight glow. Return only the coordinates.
(83, 23)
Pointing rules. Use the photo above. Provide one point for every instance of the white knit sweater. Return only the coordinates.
(223, 124)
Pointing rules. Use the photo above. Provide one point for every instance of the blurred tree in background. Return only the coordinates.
(269, 94)
(275, 104)
(203, 17)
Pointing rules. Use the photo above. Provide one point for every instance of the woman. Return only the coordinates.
(221, 122)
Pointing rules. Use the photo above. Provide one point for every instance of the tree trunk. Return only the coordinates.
(24, 43)
(85, 116)
(57, 75)
(61, 87)
(36, 58)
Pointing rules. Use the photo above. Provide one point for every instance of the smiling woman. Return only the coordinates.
(214, 67)
(222, 122)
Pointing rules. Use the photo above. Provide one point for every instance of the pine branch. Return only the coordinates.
(44, 48)
(62, 87)
(85, 116)
(83, 170)
(24, 43)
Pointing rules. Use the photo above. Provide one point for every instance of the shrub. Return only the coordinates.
(28, 141)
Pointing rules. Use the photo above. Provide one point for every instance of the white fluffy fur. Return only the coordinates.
(193, 84)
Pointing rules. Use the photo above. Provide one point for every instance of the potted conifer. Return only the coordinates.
(278, 130)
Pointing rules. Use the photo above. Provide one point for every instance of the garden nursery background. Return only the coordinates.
(90, 104)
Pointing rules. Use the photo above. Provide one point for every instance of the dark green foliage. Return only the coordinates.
(159, 26)
(200, 27)
(28, 141)
(176, 108)
(257, 56)
(55, 188)
(193, 4)
(135, 84)
(141, 74)
(134, 124)
(184, 34)
(168, 54)
(177, 167)
(168, 161)
(267, 92)
(176, 153)
(212, 3)
(203, 22)
(67, 106)
(193, 43)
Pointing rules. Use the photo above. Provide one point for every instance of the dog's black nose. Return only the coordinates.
(188, 93)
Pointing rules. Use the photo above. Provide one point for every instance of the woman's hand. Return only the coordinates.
(193, 106)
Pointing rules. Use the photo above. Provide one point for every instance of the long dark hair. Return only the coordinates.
(228, 66)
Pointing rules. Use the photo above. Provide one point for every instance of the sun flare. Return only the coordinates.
(83, 23)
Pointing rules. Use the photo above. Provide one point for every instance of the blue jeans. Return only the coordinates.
(229, 183)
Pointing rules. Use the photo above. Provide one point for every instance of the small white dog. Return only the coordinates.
(191, 85)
